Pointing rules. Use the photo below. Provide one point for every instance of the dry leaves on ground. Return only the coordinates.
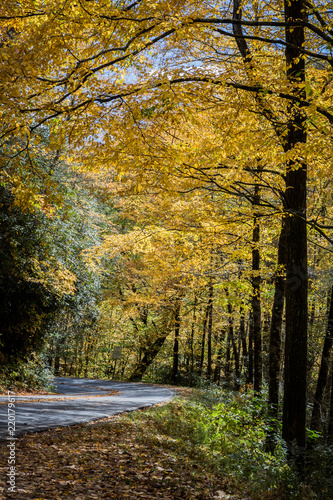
(115, 459)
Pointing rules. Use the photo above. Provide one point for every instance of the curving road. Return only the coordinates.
(77, 400)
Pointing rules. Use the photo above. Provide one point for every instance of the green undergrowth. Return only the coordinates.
(227, 433)
(29, 375)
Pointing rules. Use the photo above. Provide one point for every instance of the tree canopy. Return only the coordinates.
(205, 128)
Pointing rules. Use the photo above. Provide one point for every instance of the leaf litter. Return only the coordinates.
(122, 457)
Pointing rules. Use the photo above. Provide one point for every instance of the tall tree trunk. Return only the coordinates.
(227, 369)
(275, 337)
(250, 370)
(330, 417)
(243, 340)
(149, 354)
(294, 403)
(292, 139)
(50, 353)
(176, 343)
(203, 340)
(231, 337)
(323, 371)
(256, 302)
(217, 371)
(192, 332)
(150, 351)
(275, 341)
(209, 329)
(57, 365)
(88, 346)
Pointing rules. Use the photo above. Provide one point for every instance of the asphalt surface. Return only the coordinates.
(77, 400)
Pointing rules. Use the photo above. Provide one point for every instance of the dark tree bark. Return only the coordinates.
(209, 328)
(275, 341)
(203, 339)
(243, 341)
(227, 368)
(323, 371)
(152, 348)
(192, 332)
(255, 345)
(275, 344)
(57, 365)
(231, 341)
(256, 302)
(250, 370)
(294, 403)
(330, 417)
(176, 343)
(88, 349)
(150, 353)
(218, 365)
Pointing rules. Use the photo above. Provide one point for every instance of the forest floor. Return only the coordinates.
(127, 456)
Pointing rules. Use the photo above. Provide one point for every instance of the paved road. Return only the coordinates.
(77, 401)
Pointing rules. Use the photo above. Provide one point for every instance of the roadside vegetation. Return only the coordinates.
(206, 443)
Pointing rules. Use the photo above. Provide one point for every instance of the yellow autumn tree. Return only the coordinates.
(81, 68)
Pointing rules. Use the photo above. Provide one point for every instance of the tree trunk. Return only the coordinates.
(217, 371)
(87, 353)
(56, 365)
(256, 303)
(243, 340)
(275, 344)
(176, 343)
(192, 332)
(151, 350)
(148, 357)
(275, 341)
(203, 340)
(330, 417)
(294, 403)
(231, 339)
(209, 329)
(250, 370)
(227, 369)
(323, 371)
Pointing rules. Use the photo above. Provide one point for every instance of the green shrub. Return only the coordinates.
(227, 431)
(31, 374)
